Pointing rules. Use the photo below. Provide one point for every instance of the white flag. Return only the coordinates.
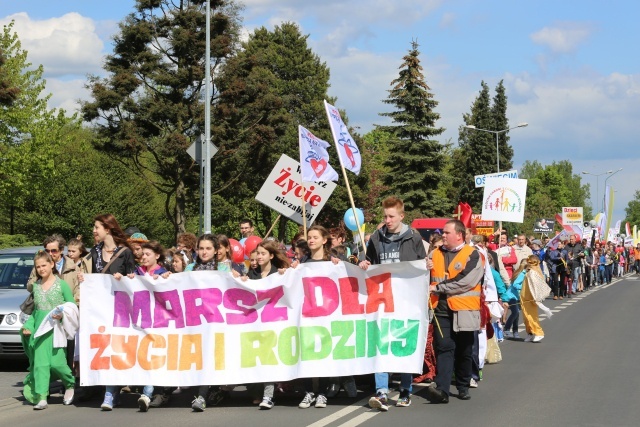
(314, 158)
(348, 152)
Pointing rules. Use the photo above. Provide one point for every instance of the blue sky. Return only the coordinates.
(571, 68)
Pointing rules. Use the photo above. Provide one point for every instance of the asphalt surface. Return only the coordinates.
(584, 373)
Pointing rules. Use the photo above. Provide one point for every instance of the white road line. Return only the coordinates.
(362, 418)
(556, 311)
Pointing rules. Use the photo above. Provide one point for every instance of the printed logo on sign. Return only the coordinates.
(344, 140)
(318, 164)
(504, 199)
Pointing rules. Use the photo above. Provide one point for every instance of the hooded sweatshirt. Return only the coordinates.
(385, 247)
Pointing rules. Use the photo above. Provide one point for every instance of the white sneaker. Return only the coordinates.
(41, 405)
(473, 383)
(321, 401)
(529, 338)
(516, 335)
(307, 401)
(537, 338)
(508, 334)
(266, 403)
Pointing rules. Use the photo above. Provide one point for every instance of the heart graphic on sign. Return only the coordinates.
(318, 166)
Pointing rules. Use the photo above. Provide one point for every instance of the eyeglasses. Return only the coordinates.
(52, 251)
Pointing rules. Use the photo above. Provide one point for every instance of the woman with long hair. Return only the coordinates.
(49, 294)
(110, 255)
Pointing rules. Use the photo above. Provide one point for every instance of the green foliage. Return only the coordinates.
(549, 188)
(632, 210)
(16, 241)
(415, 161)
(274, 84)
(478, 149)
(30, 133)
(149, 110)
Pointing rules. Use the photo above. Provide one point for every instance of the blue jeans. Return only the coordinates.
(576, 271)
(382, 382)
(514, 316)
(114, 389)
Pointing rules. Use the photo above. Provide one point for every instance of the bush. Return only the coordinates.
(16, 241)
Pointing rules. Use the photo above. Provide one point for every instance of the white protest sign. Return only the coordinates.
(206, 327)
(573, 216)
(503, 199)
(480, 180)
(283, 192)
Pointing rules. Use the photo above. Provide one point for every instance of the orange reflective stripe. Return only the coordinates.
(467, 301)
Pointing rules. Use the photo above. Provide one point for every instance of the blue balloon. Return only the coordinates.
(350, 219)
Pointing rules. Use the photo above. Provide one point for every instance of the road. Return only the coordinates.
(584, 373)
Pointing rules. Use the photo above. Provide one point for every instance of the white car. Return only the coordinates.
(15, 267)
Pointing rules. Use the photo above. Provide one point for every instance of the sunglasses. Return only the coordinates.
(52, 251)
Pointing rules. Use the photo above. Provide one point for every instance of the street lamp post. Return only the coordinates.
(497, 133)
(597, 175)
(605, 185)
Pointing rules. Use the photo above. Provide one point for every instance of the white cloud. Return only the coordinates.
(66, 93)
(448, 20)
(66, 45)
(563, 37)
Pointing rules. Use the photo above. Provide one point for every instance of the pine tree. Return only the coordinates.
(275, 83)
(416, 160)
(150, 109)
(477, 148)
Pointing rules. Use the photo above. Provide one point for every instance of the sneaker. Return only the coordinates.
(437, 396)
(68, 396)
(516, 335)
(473, 383)
(159, 400)
(349, 385)
(404, 400)
(561, 297)
(537, 338)
(333, 390)
(266, 403)
(309, 398)
(40, 405)
(508, 334)
(379, 401)
(143, 403)
(529, 338)
(321, 401)
(107, 403)
(199, 404)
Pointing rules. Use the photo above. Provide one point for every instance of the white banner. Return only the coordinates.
(503, 199)
(573, 216)
(205, 327)
(348, 152)
(480, 180)
(283, 192)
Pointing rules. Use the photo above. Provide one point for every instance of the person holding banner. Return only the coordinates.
(455, 293)
(49, 293)
(319, 241)
(393, 242)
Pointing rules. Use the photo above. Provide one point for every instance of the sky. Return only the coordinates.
(571, 68)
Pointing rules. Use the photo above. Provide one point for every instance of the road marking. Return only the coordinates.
(362, 418)
(556, 311)
(341, 413)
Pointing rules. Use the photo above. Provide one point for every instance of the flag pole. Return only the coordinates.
(304, 210)
(273, 225)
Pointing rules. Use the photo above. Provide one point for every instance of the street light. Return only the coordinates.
(497, 132)
(597, 175)
(605, 185)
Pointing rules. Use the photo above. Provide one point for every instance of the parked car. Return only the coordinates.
(15, 267)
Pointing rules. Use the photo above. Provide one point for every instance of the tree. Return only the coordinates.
(8, 92)
(633, 210)
(30, 132)
(149, 109)
(274, 84)
(416, 160)
(478, 149)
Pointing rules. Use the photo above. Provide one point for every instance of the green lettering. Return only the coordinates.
(344, 330)
(308, 338)
(378, 338)
(249, 352)
(408, 333)
(289, 346)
